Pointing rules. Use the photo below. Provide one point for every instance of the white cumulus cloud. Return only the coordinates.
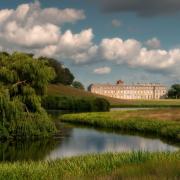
(132, 53)
(77, 47)
(38, 30)
(116, 49)
(31, 26)
(153, 43)
(102, 70)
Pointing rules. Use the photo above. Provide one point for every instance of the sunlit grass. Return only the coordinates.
(109, 165)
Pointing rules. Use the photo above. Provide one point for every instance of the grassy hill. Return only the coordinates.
(70, 91)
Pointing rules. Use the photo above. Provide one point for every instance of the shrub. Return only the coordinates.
(100, 104)
(75, 104)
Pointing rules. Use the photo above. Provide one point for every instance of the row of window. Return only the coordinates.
(133, 87)
(131, 92)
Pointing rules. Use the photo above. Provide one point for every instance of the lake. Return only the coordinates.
(73, 140)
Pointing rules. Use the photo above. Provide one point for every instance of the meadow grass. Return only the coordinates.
(98, 166)
(161, 122)
(61, 90)
(148, 103)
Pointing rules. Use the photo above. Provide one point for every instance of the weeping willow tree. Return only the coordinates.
(23, 80)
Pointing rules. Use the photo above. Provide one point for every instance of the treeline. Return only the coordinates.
(63, 74)
(174, 92)
(75, 104)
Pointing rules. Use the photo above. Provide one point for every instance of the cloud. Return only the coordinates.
(116, 49)
(32, 37)
(31, 26)
(102, 70)
(116, 23)
(32, 14)
(144, 8)
(153, 43)
(132, 53)
(76, 47)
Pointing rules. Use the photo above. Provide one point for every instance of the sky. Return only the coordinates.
(99, 41)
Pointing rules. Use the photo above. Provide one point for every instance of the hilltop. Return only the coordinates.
(62, 90)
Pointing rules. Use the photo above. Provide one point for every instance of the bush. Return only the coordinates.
(75, 104)
(57, 103)
(100, 104)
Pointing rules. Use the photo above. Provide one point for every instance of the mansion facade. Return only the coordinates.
(131, 91)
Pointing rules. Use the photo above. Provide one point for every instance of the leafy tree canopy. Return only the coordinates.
(23, 79)
(174, 92)
(78, 85)
(63, 74)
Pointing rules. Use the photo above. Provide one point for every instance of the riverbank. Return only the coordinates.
(161, 122)
(106, 166)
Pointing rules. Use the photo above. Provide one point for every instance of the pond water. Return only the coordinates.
(73, 140)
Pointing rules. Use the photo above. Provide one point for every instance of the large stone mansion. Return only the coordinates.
(131, 91)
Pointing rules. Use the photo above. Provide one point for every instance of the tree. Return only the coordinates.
(174, 92)
(63, 74)
(23, 80)
(78, 85)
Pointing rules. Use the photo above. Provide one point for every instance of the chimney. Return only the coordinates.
(120, 82)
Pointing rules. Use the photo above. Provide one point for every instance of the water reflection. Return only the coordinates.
(21, 151)
(72, 141)
(83, 141)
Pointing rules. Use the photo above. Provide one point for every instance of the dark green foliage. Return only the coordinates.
(23, 80)
(101, 104)
(75, 104)
(78, 85)
(83, 105)
(63, 75)
(57, 103)
(174, 92)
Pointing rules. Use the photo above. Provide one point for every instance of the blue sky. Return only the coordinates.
(132, 23)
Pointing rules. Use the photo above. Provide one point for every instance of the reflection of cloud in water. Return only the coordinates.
(83, 141)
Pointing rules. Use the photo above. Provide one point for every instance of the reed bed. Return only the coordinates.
(98, 166)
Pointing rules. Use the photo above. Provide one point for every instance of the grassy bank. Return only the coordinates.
(105, 166)
(162, 122)
(161, 103)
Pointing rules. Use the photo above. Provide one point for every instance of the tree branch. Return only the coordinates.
(20, 82)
